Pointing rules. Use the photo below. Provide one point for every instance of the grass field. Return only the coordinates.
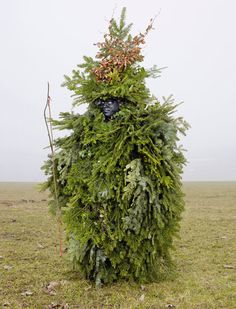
(32, 275)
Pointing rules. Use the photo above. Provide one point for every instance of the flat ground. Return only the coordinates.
(32, 275)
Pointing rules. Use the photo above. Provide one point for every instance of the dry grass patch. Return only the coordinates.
(32, 275)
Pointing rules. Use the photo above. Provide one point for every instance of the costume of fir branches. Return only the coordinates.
(118, 173)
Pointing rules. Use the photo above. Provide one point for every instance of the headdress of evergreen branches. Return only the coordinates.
(116, 70)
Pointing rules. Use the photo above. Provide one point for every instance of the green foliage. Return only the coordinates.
(120, 31)
(130, 86)
(120, 186)
(119, 182)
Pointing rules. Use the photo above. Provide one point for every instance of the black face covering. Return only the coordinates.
(109, 107)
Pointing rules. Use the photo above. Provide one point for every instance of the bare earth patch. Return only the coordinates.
(32, 275)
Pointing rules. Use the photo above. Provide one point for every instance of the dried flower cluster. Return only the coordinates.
(116, 54)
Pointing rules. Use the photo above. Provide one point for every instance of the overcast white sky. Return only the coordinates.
(43, 40)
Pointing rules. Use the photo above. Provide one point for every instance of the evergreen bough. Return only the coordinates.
(118, 181)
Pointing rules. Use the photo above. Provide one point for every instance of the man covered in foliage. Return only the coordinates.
(119, 171)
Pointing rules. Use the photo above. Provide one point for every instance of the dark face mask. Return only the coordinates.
(109, 107)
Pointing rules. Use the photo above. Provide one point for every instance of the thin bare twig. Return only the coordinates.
(48, 124)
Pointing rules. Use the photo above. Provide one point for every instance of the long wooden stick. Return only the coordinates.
(48, 124)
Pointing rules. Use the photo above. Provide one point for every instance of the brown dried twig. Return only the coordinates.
(48, 124)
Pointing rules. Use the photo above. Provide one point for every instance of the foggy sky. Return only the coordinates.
(43, 40)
